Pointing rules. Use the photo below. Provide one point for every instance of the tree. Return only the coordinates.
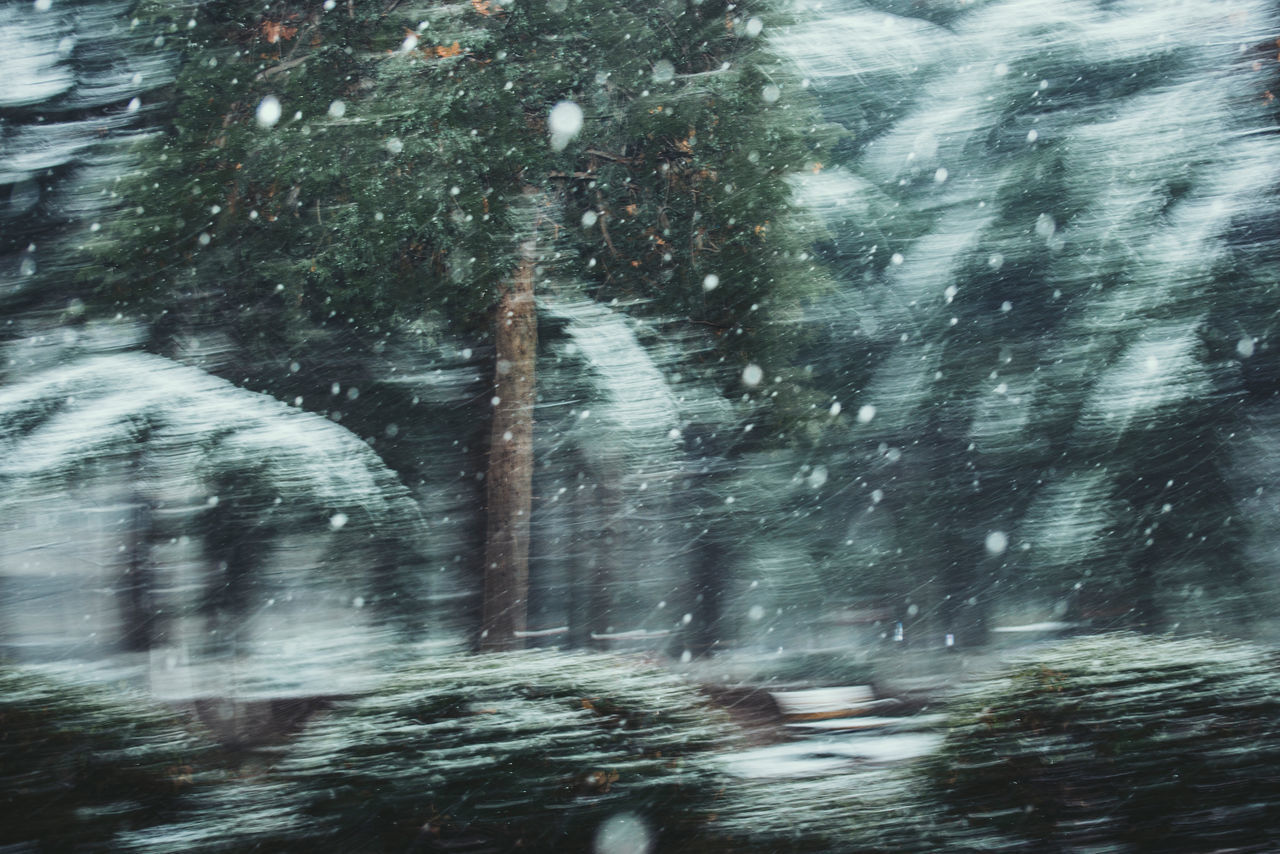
(355, 163)
(1040, 252)
(79, 86)
(226, 466)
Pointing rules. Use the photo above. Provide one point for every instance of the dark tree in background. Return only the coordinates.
(80, 83)
(1044, 383)
(79, 87)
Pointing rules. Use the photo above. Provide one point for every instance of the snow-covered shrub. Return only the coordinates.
(527, 751)
(80, 763)
(1122, 743)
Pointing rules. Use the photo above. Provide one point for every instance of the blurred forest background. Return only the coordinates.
(337, 330)
(809, 349)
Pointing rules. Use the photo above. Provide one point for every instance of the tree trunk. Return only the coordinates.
(710, 559)
(510, 475)
(583, 559)
(608, 510)
(1147, 615)
(138, 605)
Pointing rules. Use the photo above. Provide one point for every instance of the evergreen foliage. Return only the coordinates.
(204, 459)
(1121, 742)
(79, 84)
(367, 163)
(516, 751)
(1043, 268)
(364, 166)
(875, 810)
(80, 764)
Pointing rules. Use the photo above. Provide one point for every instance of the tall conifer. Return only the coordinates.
(379, 162)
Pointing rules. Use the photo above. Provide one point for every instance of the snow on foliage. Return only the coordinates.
(1047, 230)
(69, 71)
(187, 422)
(621, 424)
(639, 408)
(1068, 521)
(524, 751)
(79, 763)
(1120, 741)
(1158, 370)
(33, 67)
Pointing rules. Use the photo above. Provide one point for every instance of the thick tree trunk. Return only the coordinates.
(510, 475)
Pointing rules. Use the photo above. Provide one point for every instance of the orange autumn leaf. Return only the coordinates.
(484, 7)
(274, 31)
(446, 52)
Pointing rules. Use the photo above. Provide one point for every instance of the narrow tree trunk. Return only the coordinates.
(608, 503)
(510, 475)
(582, 560)
(1146, 615)
(710, 558)
(138, 605)
(963, 610)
